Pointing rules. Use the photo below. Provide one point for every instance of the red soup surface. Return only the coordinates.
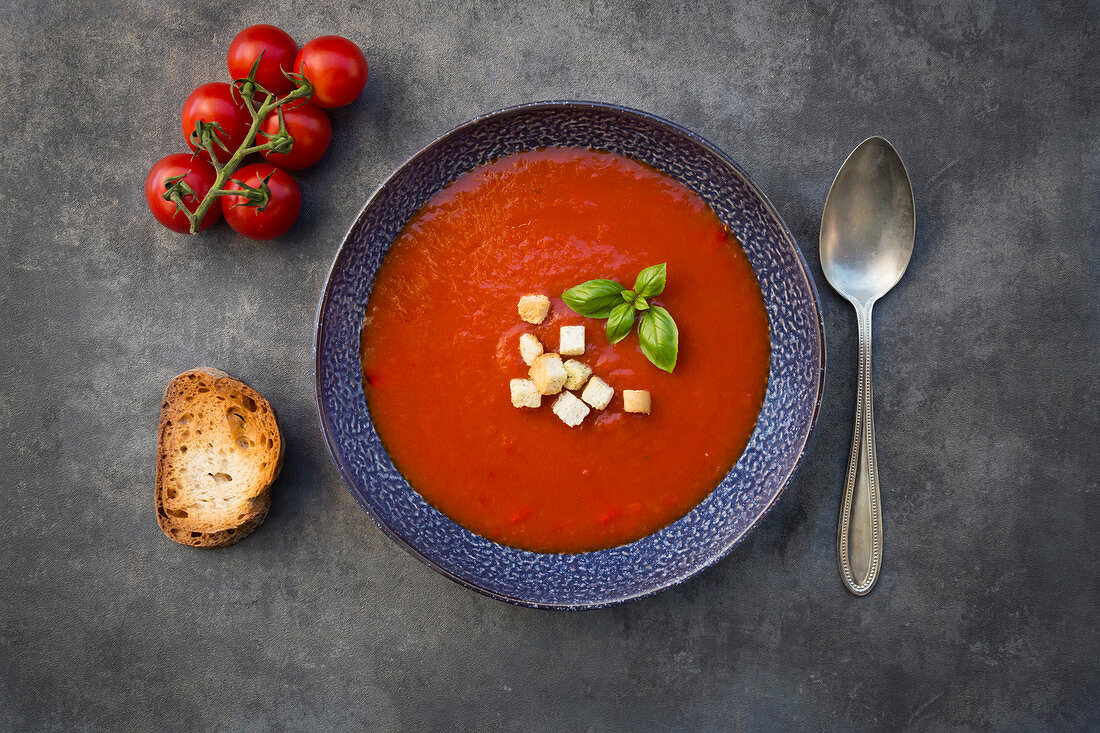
(441, 342)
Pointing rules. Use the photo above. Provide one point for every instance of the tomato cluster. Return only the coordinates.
(259, 200)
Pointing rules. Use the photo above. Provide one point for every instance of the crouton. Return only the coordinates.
(598, 393)
(524, 393)
(529, 348)
(571, 341)
(548, 374)
(637, 400)
(571, 410)
(533, 308)
(576, 374)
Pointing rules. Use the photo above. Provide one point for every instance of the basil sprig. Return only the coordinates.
(657, 332)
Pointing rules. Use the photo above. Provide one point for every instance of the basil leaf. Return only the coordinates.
(628, 296)
(659, 338)
(651, 281)
(641, 303)
(594, 298)
(620, 322)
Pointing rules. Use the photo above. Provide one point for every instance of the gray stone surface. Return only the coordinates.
(986, 354)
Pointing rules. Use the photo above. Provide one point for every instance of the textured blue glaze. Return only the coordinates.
(685, 547)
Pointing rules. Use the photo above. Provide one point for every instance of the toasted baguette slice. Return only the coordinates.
(218, 452)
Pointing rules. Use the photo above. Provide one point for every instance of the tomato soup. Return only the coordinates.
(440, 344)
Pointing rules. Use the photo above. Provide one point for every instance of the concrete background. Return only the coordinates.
(986, 356)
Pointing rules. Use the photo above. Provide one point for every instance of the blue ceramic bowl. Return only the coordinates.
(680, 550)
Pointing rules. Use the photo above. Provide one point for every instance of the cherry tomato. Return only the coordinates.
(336, 68)
(217, 102)
(278, 48)
(308, 125)
(281, 210)
(197, 173)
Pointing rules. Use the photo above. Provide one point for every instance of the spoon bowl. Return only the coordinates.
(869, 223)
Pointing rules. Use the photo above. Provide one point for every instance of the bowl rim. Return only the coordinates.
(327, 429)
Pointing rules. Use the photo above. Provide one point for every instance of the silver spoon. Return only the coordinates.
(867, 233)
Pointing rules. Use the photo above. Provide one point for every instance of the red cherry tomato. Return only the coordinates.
(197, 173)
(281, 210)
(278, 48)
(217, 102)
(336, 68)
(308, 125)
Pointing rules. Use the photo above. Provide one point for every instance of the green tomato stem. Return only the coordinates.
(224, 171)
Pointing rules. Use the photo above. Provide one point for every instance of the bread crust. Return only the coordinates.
(211, 393)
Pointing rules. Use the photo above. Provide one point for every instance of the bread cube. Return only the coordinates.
(571, 410)
(533, 308)
(598, 393)
(548, 374)
(529, 348)
(524, 393)
(637, 400)
(576, 374)
(571, 341)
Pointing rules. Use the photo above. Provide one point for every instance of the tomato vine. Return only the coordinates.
(204, 137)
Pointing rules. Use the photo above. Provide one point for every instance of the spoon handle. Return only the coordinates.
(859, 539)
